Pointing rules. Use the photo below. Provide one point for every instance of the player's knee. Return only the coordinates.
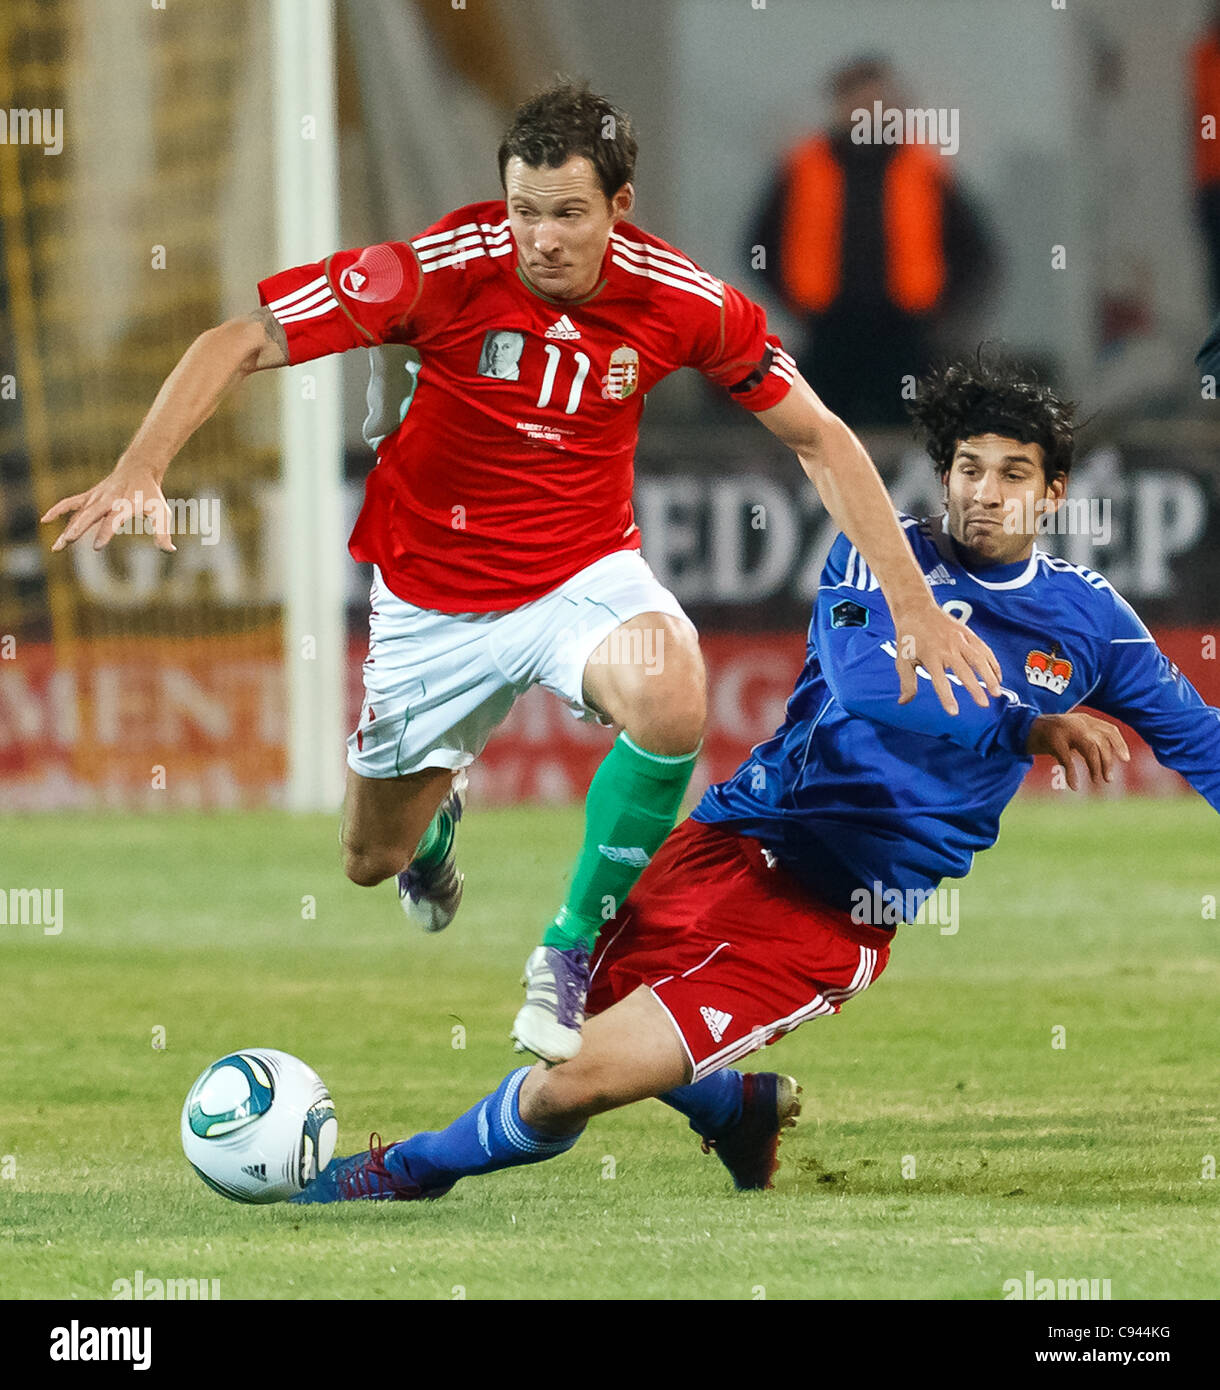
(564, 1098)
(669, 699)
(669, 721)
(369, 867)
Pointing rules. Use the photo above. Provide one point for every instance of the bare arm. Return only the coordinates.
(213, 364)
(852, 491)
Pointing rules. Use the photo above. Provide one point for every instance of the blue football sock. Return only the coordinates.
(711, 1105)
(490, 1135)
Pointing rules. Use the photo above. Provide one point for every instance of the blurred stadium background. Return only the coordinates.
(160, 214)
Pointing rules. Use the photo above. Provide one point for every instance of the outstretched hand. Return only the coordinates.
(112, 504)
(931, 639)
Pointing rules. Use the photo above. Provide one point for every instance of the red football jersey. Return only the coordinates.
(512, 469)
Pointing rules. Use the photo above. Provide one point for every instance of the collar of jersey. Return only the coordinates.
(1017, 580)
(571, 303)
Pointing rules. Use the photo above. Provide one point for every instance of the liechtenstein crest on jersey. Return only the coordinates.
(624, 374)
(1048, 670)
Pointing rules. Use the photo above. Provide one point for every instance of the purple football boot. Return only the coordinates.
(556, 985)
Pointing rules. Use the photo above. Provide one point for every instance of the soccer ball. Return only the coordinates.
(258, 1125)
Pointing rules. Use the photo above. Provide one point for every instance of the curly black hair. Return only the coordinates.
(965, 399)
(569, 119)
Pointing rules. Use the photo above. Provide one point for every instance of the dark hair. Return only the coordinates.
(567, 120)
(869, 67)
(963, 400)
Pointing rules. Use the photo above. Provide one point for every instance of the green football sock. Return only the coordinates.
(435, 841)
(633, 801)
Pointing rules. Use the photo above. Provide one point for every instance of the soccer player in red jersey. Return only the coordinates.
(498, 518)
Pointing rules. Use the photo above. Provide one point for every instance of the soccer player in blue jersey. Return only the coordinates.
(758, 911)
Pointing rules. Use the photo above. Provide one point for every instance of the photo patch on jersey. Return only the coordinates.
(1048, 670)
(624, 374)
(849, 614)
(374, 277)
(500, 357)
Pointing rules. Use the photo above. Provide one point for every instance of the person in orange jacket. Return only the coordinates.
(871, 244)
(1205, 95)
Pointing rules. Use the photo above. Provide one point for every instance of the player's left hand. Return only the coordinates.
(1095, 740)
(927, 636)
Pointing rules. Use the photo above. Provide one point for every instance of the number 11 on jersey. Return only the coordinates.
(553, 354)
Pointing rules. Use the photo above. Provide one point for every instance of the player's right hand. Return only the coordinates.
(121, 496)
(1096, 741)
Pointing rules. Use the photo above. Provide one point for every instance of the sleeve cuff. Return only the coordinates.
(1012, 733)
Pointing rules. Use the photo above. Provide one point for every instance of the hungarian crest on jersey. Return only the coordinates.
(624, 374)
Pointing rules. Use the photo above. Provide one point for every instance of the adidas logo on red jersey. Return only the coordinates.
(717, 1021)
(563, 327)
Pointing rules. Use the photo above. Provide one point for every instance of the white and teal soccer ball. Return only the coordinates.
(258, 1125)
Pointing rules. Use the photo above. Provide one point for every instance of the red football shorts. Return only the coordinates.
(733, 948)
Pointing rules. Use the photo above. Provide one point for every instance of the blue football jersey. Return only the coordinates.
(856, 791)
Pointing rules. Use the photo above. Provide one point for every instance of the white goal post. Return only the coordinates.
(311, 422)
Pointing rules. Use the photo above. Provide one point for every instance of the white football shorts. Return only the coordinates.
(436, 685)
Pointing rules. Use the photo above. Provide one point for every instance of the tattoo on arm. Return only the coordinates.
(274, 331)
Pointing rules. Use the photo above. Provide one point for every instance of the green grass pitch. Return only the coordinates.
(947, 1144)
